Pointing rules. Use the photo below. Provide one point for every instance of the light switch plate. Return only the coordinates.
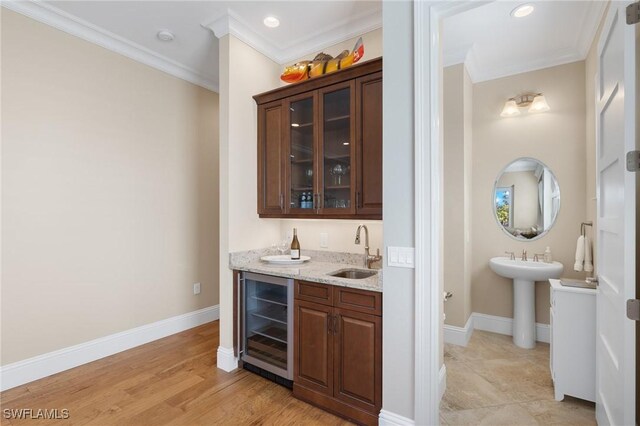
(196, 288)
(324, 240)
(401, 257)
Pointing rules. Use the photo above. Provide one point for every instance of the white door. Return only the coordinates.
(615, 115)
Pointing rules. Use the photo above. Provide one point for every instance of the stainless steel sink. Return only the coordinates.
(354, 274)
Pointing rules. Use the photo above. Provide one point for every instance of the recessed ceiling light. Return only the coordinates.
(522, 11)
(271, 21)
(165, 35)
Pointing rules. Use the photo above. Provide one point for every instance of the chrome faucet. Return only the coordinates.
(368, 259)
(524, 255)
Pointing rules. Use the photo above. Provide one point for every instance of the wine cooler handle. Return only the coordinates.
(241, 291)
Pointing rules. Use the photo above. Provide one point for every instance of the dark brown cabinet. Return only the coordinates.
(338, 350)
(320, 146)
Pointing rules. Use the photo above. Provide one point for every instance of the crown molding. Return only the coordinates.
(75, 26)
(500, 70)
(455, 56)
(231, 23)
(589, 26)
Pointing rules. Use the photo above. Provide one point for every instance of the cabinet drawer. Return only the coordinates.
(368, 302)
(314, 292)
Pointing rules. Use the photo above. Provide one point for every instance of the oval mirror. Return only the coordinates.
(526, 199)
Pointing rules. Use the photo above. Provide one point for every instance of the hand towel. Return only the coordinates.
(588, 262)
(579, 265)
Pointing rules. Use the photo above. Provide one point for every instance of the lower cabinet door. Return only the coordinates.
(358, 359)
(313, 349)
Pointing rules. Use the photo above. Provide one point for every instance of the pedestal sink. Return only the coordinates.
(524, 275)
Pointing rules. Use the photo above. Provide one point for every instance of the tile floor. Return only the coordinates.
(493, 382)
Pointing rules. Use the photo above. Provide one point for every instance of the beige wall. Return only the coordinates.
(525, 197)
(240, 226)
(109, 192)
(457, 128)
(341, 232)
(557, 138)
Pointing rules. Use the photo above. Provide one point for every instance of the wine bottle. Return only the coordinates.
(295, 246)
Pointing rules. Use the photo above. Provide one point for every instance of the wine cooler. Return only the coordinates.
(267, 323)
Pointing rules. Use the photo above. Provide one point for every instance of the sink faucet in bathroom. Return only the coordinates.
(524, 255)
(368, 259)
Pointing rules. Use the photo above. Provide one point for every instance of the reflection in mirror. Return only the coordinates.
(526, 199)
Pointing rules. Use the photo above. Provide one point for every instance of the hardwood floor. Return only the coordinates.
(493, 382)
(172, 381)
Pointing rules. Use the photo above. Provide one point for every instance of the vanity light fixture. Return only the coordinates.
(535, 101)
(522, 10)
(271, 21)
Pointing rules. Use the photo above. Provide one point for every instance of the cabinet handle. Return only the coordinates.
(281, 202)
(358, 199)
(314, 201)
(329, 321)
(336, 323)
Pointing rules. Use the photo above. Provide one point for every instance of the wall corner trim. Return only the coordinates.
(38, 367)
(387, 418)
(459, 335)
(57, 18)
(226, 359)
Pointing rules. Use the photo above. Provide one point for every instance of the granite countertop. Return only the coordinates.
(317, 270)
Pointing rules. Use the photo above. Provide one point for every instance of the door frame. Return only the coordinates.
(428, 109)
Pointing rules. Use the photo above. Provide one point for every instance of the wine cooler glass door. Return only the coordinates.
(268, 321)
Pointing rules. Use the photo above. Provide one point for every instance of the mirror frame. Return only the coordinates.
(493, 200)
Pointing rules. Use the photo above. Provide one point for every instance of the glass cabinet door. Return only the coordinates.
(337, 175)
(302, 170)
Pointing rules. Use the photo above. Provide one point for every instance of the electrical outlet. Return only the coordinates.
(196, 288)
(324, 240)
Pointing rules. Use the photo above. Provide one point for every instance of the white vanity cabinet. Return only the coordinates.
(573, 341)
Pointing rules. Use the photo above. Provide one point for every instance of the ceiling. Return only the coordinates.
(493, 44)
(130, 28)
(486, 38)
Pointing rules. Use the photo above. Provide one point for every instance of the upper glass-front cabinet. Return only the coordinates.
(337, 147)
(302, 154)
(320, 146)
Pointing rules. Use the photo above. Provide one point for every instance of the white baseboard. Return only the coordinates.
(459, 335)
(442, 383)
(226, 359)
(503, 325)
(38, 367)
(387, 418)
